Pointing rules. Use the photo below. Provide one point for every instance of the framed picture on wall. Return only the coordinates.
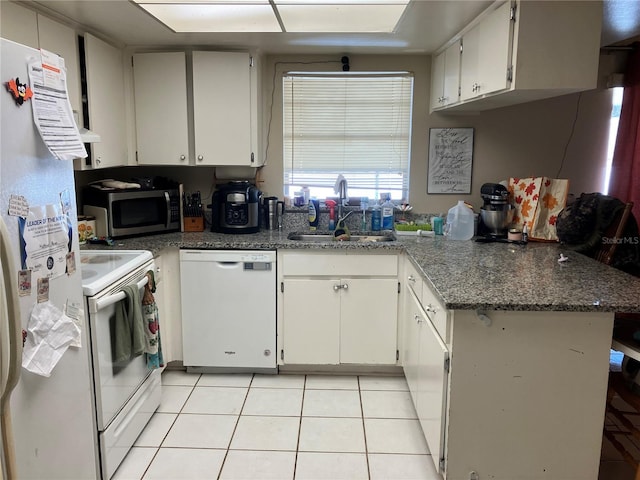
(450, 160)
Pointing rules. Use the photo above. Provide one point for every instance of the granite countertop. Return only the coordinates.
(465, 275)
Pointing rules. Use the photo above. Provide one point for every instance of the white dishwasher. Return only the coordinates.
(228, 310)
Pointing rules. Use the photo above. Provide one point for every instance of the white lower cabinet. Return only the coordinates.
(311, 333)
(426, 367)
(167, 298)
(506, 394)
(337, 309)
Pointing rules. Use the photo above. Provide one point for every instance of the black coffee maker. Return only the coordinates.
(496, 213)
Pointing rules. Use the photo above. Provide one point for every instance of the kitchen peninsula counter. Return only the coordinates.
(465, 275)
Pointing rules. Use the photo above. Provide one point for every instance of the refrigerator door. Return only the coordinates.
(10, 353)
(53, 418)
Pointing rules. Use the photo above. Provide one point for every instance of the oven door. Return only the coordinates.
(115, 382)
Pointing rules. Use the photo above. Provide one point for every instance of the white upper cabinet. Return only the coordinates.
(19, 24)
(37, 31)
(62, 40)
(105, 95)
(162, 126)
(222, 109)
(486, 55)
(445, 77)
(221, 104)
(519, 51)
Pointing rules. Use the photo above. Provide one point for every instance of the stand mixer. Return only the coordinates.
(496, 213)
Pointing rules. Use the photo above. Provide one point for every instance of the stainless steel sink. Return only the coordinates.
(328, 237)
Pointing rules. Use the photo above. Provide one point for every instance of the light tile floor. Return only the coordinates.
(290, 427)
(235, 426)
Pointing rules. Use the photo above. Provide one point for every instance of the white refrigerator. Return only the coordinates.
(53, 434)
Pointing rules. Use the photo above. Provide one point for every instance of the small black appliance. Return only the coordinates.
(235, 208)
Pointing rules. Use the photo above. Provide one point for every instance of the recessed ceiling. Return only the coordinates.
(425, 26)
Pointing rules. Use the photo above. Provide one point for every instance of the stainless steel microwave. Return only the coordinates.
(123, 213)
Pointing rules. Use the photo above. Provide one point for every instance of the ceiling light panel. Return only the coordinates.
(339, 17)
(338, 2)
(187, 2)
(240, 16)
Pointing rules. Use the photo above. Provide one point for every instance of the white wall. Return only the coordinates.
(523, 140)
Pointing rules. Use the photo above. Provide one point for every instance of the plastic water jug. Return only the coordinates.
(460, 222)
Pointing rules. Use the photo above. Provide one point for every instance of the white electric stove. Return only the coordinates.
(127, 392)
(102, 268)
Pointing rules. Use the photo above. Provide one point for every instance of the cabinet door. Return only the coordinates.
(160, 89)
(311, 321)
(62, 40)
(451, 73)
(18, 24)
(105, 94)
(222, 108)
(411, 343)
(432, 386)
(437, 80)
(368, 321)
(495, 50)
(486, 54)
(469, 64)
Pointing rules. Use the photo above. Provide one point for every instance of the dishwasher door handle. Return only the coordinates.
(228, 264)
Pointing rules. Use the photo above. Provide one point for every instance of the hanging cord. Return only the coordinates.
(273, 92)
(573, 128)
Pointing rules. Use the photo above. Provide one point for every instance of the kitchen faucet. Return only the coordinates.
(341, 190)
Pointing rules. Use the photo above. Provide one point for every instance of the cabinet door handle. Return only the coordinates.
(418, 319)
(411, 278)
(200, 158)
(337, 287)
(345, 286)
(183, 158)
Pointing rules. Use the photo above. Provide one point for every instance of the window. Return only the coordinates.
(613, 133)
(354, 124)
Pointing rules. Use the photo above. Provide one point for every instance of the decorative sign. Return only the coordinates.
(450, 160)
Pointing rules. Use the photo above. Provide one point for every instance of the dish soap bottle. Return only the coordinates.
(387, 214)
(314, 213)
(460, 222)
(331, 205)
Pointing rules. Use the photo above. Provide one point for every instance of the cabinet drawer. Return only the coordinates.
(413, 278)
(436, 312)
(314, 264)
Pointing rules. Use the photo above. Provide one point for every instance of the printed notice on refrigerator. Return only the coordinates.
(52, 111)
(45, 241)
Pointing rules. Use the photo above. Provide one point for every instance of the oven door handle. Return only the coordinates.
(96, 305)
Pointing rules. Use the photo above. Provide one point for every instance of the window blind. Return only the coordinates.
(358, 125)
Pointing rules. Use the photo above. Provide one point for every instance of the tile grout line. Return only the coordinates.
(226, 453)
(295, 462)
(193, 387)
(364, 430)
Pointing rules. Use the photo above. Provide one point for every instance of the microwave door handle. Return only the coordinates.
(97, 305)
(167, 200)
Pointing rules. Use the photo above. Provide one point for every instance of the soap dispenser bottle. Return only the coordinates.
(314, 213)
(331, 205)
